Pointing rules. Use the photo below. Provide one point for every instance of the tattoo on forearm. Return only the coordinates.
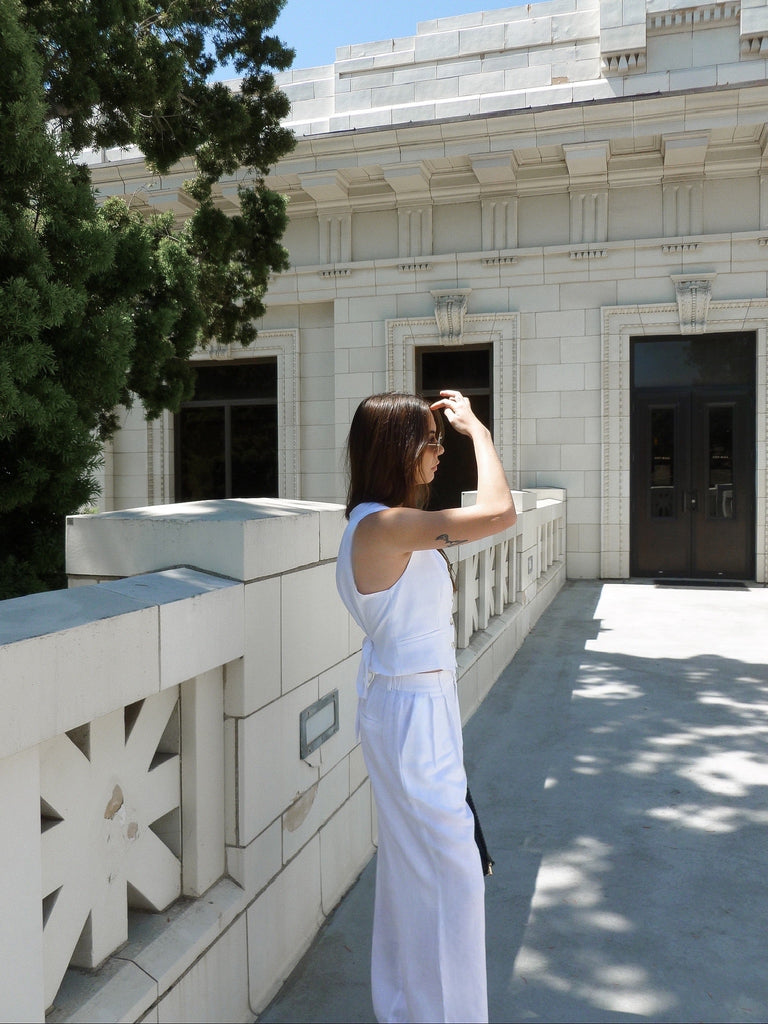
(447, 541)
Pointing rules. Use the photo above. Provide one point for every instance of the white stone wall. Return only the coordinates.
(100, 778)
(150, 750)
(549, 162)
(562, 51)
(172, 699)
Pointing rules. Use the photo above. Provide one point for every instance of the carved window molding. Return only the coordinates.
(501, 331)
(284, 346)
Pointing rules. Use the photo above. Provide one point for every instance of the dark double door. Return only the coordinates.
(693, 452)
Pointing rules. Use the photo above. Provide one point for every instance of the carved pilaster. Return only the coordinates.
(589, 216)
(683, 207)
(588, 172)
(414, 231)
(336, 238)
(499, 222)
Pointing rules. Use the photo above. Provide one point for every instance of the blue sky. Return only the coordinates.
(314, 28)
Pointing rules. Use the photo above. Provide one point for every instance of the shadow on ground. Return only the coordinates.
(621, 777)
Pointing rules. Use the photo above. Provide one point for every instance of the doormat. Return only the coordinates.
(708, 584)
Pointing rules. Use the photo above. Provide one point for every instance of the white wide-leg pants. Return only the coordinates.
(428, 955)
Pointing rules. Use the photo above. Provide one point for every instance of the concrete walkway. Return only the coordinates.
(620, 768)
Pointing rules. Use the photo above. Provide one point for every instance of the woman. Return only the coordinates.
(428, 956)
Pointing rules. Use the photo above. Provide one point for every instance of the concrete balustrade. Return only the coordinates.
(168, 853)
(504, 584)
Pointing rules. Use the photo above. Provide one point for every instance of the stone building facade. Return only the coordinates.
(561, 208)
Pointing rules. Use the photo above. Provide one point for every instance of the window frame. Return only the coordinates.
(227, 404)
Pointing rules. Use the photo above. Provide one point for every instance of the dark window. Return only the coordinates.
(719, 456)
(226, 436)
(468, 369)
(662, 482)
(712, 359)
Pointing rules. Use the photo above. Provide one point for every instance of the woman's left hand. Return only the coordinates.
(457, 409)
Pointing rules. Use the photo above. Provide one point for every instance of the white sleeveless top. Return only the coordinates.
(409, 627)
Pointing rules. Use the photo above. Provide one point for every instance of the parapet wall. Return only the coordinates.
(183, 847)
(529, 56)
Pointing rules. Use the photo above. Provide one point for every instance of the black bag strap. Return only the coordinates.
(485, 858)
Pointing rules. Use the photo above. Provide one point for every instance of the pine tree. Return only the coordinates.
(100, 305)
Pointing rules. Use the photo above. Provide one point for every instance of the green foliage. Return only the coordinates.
(100, 304)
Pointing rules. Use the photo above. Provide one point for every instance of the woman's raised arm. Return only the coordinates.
(402, 530)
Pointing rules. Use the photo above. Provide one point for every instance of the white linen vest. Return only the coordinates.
(409, 627)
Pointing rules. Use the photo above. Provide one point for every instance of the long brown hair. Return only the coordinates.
(386, 440)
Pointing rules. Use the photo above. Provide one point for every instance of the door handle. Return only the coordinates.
(690, 501)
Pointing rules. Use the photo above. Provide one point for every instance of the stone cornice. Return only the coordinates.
(380, 153)
(543, 126)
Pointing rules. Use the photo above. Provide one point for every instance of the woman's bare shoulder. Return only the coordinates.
(378, 558)
(387, 523)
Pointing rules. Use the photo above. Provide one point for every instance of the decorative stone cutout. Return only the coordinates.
(450, 308)
(693, 295)
(111, 831)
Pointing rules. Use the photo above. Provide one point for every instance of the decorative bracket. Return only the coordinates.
(623, 63)
(450, 308)
(693, 293)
